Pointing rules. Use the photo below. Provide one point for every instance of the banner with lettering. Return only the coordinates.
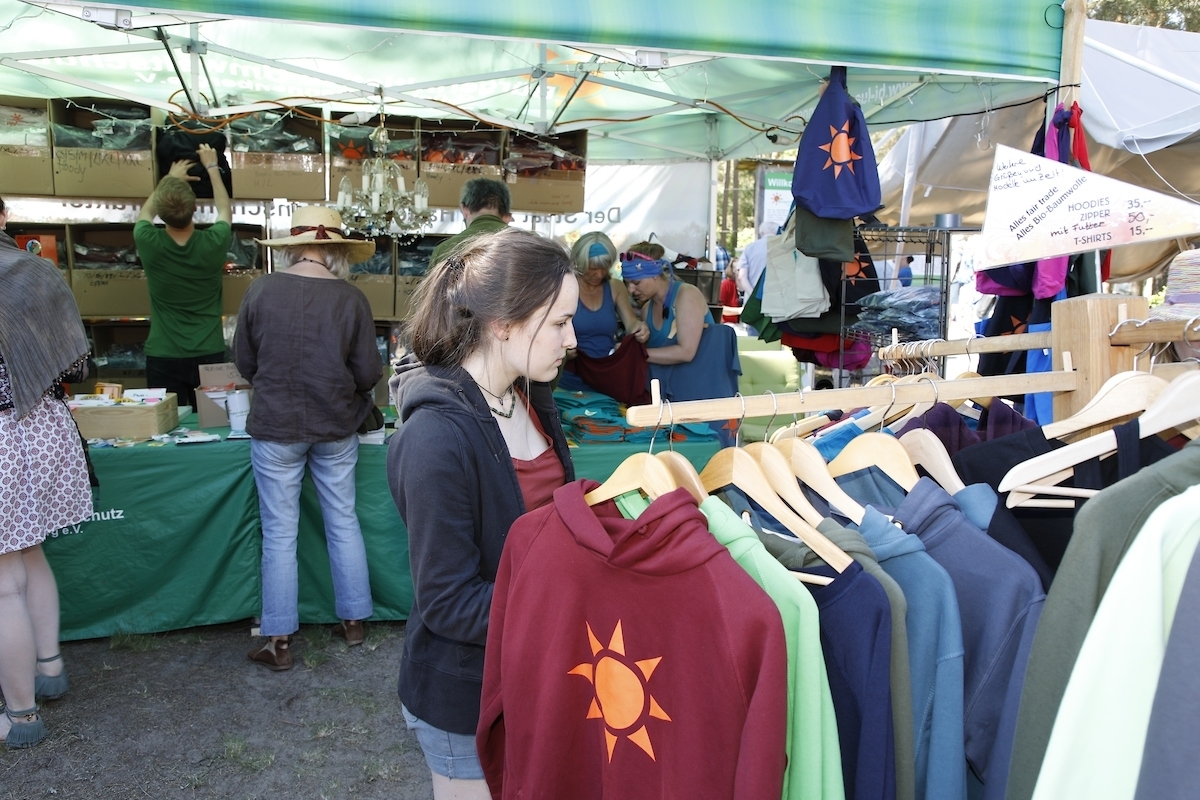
(1038, 208)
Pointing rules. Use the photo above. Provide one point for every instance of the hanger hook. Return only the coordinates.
(1187, 328)
(657, 425)
(737, 439)
(1143, 352)
(774, 413)
(932, 383)
(671, 427)
(883, 419)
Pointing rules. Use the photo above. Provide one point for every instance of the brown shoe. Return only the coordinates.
(274, 655)
(351, 630)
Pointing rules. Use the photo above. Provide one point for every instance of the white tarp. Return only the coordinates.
(950, 160)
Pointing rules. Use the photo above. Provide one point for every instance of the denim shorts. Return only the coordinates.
(452, 755)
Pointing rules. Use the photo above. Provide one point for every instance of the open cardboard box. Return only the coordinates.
(210, 401)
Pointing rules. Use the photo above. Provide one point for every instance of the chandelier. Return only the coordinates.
(382, 205)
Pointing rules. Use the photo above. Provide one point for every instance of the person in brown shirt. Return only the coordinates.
(306, 342)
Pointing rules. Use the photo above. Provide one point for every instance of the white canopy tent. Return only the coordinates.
(1141, 101)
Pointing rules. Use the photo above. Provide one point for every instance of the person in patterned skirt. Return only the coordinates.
(43, 478)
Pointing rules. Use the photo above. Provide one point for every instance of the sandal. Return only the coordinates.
(50, 687)
(24, 732)
(275, 655)
(350, 630)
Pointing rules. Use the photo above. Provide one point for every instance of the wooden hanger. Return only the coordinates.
(684, 473)
(801, 428)
(641, 472)
(926, 450)
(1121, 395)
(877, 450)
(1177, 406)
(779, 475)
(735, 467)
(811, 469)
(920, 408)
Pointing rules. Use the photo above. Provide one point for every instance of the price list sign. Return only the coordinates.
(1038, 208)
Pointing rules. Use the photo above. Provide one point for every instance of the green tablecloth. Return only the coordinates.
(175, 539)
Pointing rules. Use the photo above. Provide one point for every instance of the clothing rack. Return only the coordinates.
(1091, 335)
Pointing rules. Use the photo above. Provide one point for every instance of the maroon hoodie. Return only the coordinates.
(630, 659)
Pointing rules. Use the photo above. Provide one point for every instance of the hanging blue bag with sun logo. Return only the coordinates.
(835, 175)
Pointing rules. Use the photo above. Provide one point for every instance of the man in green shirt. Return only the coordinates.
(486, 206)
(184, 267)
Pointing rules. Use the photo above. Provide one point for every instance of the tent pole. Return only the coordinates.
(916, 141)
(1070, 69)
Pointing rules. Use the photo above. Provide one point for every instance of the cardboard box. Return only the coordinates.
(553, 192)
(111, 293)
(446, 180)
(546, 175)
(127, 421)
(380, 291)
(233, 289)
(86, 172)
(265, 176)
(26, 164)
(406, 287)
(26, 170)
(210, 405)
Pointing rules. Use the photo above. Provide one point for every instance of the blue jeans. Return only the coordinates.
(278, 472)
(452, 755)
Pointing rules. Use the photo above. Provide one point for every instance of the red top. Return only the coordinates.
(729, 299)
(630, 659)
(539, 476)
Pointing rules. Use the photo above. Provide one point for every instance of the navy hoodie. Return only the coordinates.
(454, 484)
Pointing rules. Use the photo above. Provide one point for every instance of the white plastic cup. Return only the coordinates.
(237, 403)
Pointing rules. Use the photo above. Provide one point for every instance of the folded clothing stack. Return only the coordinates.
(913, 310)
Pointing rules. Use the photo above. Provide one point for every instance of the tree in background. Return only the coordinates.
(1181, 15)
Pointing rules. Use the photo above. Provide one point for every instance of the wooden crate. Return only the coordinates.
(127, 421)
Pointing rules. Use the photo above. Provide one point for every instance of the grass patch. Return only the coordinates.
(318, 637)
(191, 781)
(314, 658)
(374, 636)
(350, 697)
(134, 642)
(378, 770)
(236, 751)
(190, 638)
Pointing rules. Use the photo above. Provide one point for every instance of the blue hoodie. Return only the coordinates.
(1000, 601)
(935, 654)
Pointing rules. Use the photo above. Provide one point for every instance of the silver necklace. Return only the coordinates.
(501, 397)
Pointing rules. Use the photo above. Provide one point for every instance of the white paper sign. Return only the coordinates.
(1039, 208)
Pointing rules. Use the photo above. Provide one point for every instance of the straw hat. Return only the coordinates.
(320, 225)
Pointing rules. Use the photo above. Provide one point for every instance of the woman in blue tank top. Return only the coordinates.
(675, 312)
(604, 305)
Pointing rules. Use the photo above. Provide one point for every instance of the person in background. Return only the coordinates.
(478, 444)
(184, 267)
(729, 295)
(486, 206)
(905, 273)
(675, 312)
(604, 306)
(306, 341)
(43, 478)
(754, 259)
(720, 257)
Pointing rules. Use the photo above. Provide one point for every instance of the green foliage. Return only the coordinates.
(1181, 15)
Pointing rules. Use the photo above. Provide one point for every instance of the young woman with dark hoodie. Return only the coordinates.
(478, 444)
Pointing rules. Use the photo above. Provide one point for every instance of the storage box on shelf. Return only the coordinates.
(378, 286)
(26, 163)
(406, 287)
(546, 175)
(453, 152)
(350, 145)
(706, 280)
(278, 154)
(102, 279)
(102, 148)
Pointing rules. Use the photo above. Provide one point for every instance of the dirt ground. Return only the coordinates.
(186, 715)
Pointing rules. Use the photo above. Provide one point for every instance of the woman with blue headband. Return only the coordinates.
(675, 312)
(604, 306)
